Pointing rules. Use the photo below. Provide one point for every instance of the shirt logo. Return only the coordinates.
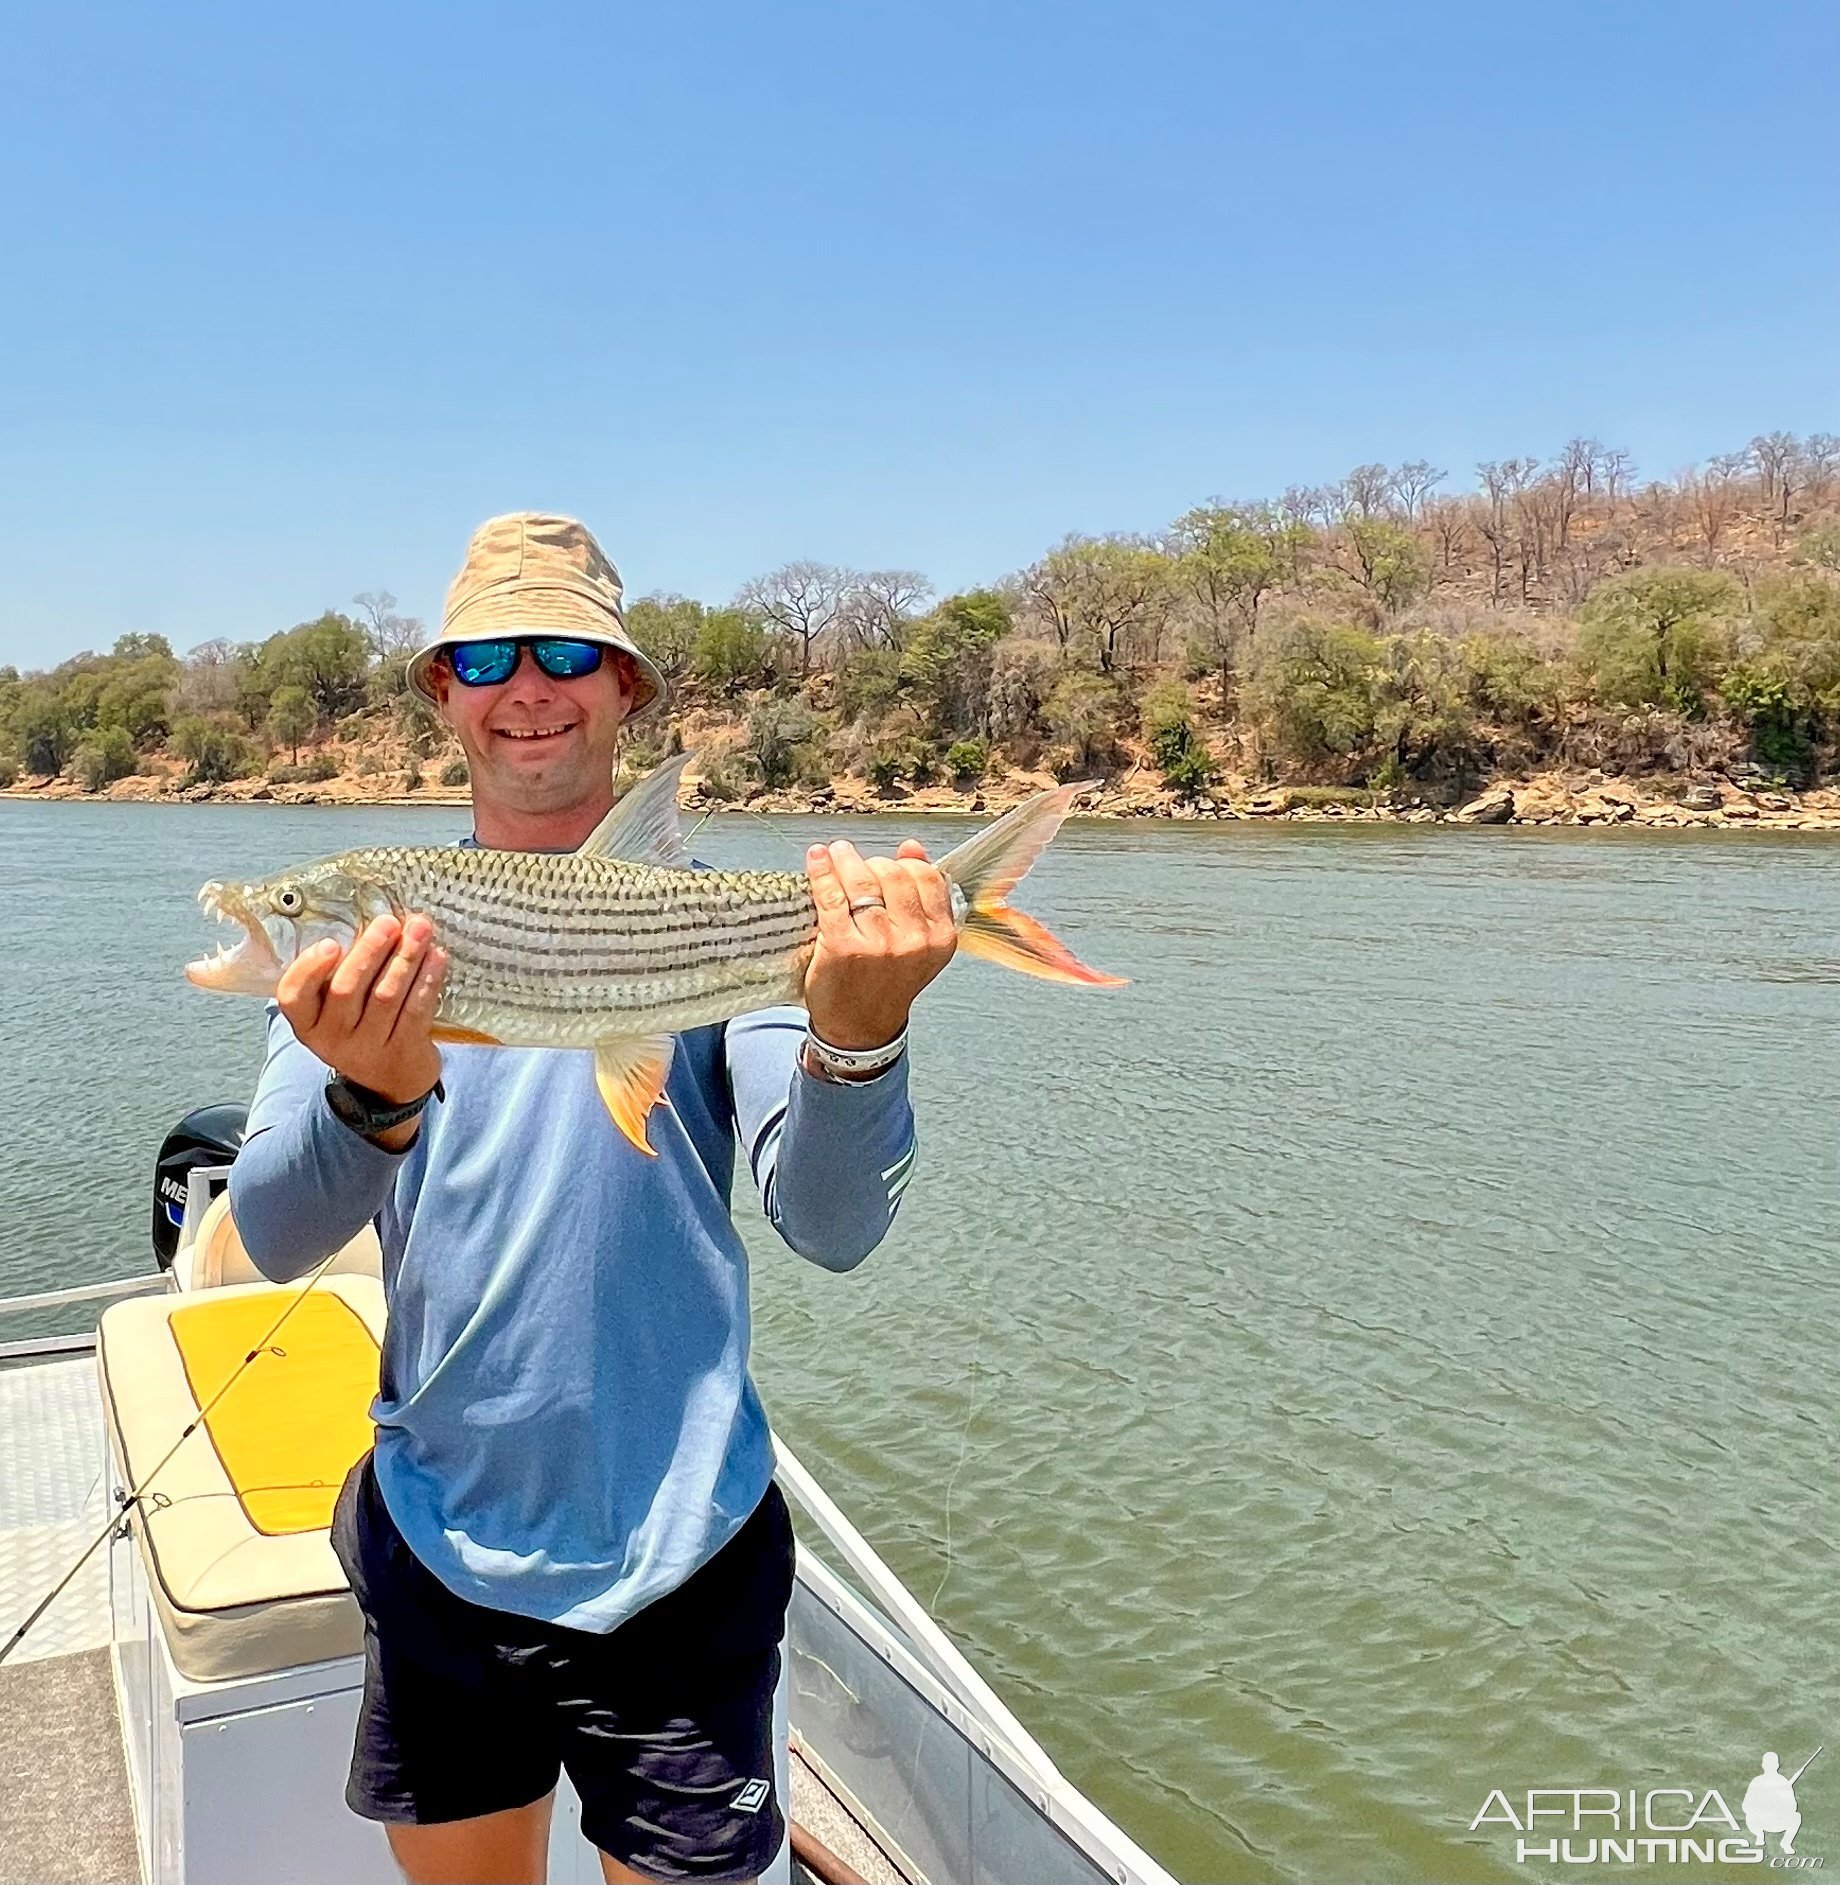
(752, 1797)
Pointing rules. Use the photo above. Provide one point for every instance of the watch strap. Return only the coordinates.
(368, 1112)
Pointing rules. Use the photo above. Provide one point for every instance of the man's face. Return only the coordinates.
(533, 744)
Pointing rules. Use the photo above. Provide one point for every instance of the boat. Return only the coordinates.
(181, 1713)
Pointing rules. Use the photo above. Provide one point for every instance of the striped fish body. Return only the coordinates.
(617, 947)
(568, 951)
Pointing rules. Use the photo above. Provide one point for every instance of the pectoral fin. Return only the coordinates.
(631, 1076)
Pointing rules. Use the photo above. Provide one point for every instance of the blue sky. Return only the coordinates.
(294, 297)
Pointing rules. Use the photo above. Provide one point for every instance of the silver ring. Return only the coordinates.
(866, 903)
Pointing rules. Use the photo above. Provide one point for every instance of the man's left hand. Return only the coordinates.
(885, 930)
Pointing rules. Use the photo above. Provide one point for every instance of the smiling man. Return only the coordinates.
(566, 1541)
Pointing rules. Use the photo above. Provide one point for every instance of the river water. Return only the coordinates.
(1383, 1355)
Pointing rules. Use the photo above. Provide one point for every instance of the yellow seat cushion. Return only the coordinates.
(295, 1421)
(239, 1591)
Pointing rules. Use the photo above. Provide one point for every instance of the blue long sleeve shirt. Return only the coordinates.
(566, 1426)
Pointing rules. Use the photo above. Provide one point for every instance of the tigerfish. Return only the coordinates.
(620, 945)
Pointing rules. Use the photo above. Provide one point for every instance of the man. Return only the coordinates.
(566, 1542)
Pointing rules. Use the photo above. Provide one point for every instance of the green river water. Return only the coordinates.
(1385, 1354)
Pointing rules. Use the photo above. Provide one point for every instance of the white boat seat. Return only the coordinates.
(217, 1256)
(234, 1531)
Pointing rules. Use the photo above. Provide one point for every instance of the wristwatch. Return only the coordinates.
(368, 1113)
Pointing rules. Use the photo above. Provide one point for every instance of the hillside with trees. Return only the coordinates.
(1386, 641)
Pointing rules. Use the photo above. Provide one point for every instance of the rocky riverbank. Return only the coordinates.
(1569, 799)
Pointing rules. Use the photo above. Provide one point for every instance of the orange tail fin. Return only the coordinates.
(985, 869)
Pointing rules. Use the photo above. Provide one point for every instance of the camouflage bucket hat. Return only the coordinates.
(529, 573)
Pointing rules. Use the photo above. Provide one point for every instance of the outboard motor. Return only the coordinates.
(212, 1135)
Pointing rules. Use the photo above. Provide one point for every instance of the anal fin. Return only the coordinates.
(631, 1076)
(464, 1037)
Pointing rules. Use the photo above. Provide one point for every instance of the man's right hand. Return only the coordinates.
(366, 1011)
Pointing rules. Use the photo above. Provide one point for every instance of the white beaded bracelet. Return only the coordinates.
(855, 1062)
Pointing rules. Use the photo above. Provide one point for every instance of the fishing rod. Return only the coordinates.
(129, 1500)
(1800, 1771)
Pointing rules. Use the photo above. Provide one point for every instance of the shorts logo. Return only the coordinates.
(752, 1797)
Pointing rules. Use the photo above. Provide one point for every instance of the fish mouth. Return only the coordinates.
(249, 966)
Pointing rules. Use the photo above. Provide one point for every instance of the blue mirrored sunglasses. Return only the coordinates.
(487, 663)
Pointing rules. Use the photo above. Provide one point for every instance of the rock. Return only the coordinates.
(1494, 807)
(1702, 798)
(1599, 808)
(1268, 805)
(1739, 808)
(1538, 804)
(1774, 802)
(1419, 815)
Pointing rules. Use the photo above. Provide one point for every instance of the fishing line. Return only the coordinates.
(131, 1499)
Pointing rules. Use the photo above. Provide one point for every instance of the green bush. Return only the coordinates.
(883, 766)
(777, 730)
(1659, 637)
(411, 778)
(369, 765)
(1083, 711)
(1189, 773)
(10, 768)
(721, 783)
(967, 761)
(455, 772)
(320, 768)
(867, 683)
(103, 759)
(215, 751)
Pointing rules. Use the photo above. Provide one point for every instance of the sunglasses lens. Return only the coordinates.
(482, 663)
(567, 660)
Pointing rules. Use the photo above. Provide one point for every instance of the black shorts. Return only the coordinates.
(665, 1725)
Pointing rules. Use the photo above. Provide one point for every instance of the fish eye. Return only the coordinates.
(289, 901)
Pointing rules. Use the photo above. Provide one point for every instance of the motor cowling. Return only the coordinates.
(212, 1135)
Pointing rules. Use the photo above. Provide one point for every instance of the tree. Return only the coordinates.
(290, 718)
(801, 600)
(392, 637)
(103, 759)
(1413, 484)
(731, 651)
(877, 607)
(1388, 562)
(947, 661)
(1713, 493)
(1228, 559)
(1367, 491)
(1314, 683)
(1096, 591)
(1820, 457)
(667, 628)
(1659, 637)
(216, 752)
(329, 658)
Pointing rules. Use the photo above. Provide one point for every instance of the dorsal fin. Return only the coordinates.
(643, 827)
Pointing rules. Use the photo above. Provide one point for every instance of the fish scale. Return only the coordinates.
(548, 951)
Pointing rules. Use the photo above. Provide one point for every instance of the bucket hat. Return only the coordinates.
(531, 573)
